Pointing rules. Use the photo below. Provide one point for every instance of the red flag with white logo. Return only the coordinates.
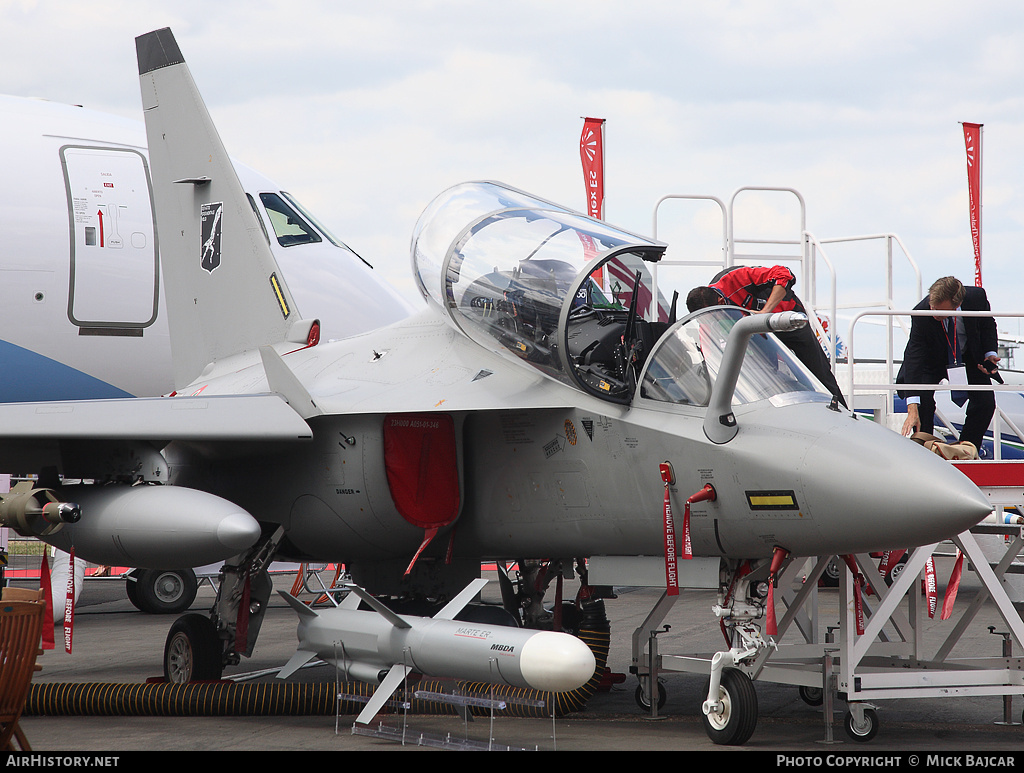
(972, 141)
(592, 157)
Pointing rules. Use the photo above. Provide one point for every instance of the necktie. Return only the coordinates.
(958, 396)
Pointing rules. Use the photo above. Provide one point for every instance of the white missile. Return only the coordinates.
(365, 644)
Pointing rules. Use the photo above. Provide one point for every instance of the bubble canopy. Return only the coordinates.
(567, 294)
(688, 360)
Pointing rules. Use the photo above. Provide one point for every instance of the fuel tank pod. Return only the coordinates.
(154, 527)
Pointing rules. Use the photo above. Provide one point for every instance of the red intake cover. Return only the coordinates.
(420, 460)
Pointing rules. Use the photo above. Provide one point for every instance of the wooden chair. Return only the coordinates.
(21, 625)
(22, 594)
(25, 594)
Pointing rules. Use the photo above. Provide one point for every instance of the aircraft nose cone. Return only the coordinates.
(888, 492)
(238, 531)
(556, 661)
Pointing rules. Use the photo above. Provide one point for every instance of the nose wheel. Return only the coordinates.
(731, 719)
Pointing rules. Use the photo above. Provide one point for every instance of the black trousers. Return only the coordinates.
(980, 407)
(804, 344)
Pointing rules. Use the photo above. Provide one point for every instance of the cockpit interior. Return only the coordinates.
(575, 299)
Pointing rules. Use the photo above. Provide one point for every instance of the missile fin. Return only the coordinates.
(382, 610)
(351, 601)
(383, 693)
(298, 660)
(453, 607)
(298, 606)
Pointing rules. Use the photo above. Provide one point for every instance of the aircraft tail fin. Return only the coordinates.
(224, 291)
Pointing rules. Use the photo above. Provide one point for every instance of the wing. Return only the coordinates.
(39, 434)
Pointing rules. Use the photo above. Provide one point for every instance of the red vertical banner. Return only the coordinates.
(592, 158)
(972, 141)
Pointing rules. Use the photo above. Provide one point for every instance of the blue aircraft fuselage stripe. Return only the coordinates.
(26, 376)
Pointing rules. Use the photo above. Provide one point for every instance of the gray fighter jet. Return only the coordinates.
(545, 407)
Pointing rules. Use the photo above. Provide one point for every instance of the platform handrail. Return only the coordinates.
(890, 386)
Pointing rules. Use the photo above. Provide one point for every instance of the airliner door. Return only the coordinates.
(114, 287)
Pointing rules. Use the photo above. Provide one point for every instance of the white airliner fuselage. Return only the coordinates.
(81, 298)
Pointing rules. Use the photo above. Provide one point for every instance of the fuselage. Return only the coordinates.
(570, 474)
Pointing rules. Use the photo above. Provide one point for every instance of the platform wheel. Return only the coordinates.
(192, 652)
(735, 722)
(644, 701)
(812, 696)
(862, 731)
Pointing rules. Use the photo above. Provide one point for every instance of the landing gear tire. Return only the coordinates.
(642, 699)
(812, 696)
(162, 591)
(865, 730)
(896, 570)
(830, 577)
(735, 723)
(193, 651)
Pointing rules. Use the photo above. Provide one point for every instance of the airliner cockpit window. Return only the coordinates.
(289, 227)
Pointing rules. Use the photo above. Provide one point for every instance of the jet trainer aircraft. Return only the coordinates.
(536, 410)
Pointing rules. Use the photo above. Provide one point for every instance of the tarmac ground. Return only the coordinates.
(114, 642)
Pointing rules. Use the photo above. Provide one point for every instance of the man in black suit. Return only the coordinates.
(940, 345)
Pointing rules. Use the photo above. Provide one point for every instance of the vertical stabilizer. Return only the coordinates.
(224, 291)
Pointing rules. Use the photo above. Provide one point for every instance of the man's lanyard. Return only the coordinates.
(954, 350)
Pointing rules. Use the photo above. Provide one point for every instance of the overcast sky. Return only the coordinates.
(365, 111)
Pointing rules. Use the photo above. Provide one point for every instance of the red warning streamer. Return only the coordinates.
(706, 494)
(777, 558)
(858, 598)
(69, 605)
(671, 567)
(930, 586)
(889, 559)
(44, 583)
(953, 587)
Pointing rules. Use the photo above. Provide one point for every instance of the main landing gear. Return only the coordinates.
(199, 647)
(161, 591)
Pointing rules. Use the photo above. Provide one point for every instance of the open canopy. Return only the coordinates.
(687, 361)
(565, 293)
(573, 298)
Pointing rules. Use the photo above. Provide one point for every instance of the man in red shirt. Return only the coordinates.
(763, 290)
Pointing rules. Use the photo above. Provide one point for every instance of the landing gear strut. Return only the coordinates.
(198, 648)
(730, 710)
